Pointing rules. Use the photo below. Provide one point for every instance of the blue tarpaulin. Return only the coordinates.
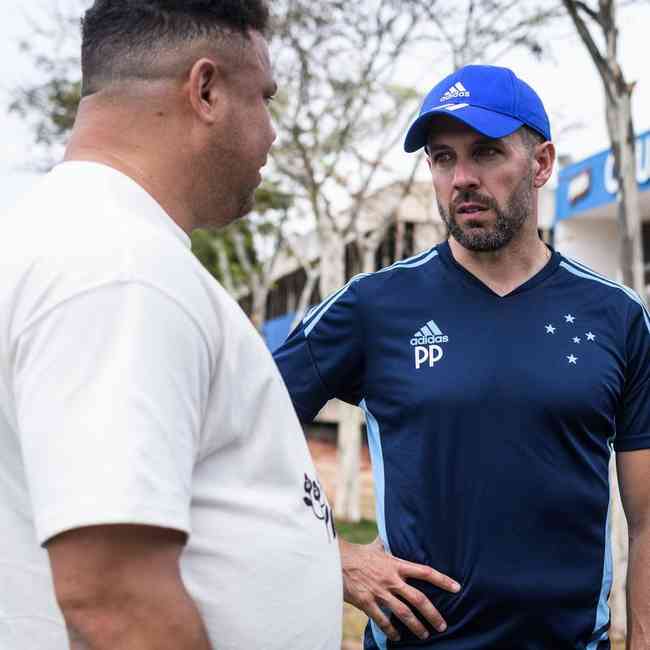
(276, 330)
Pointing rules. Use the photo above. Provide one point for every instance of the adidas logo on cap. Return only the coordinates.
(500, 103)
(457, 90)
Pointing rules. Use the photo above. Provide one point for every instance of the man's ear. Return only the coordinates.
(205, 89)
(544, 161)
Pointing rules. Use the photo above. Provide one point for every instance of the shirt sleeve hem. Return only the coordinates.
(633, 444)
(60, 522)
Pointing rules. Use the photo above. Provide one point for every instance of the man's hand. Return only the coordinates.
(373, 579)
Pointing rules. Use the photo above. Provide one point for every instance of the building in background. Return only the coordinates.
(586, 223)
(416, 226)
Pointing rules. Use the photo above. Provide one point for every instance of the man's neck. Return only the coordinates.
(507, 268)
(135, 146)
(148, 180)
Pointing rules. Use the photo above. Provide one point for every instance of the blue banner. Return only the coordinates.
(590, 183)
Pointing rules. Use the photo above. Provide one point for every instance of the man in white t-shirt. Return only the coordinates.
(156, 491)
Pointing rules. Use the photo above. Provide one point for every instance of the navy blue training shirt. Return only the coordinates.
(489, 422)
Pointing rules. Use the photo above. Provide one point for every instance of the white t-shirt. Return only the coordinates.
(133, 389)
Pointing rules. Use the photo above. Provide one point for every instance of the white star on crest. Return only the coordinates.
(569, 318)
(550, 329)
(572, 359)
(591, 336)
(576, 339)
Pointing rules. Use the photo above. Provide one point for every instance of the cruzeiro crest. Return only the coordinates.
(427, 345)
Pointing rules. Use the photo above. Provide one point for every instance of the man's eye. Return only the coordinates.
(486, 152)
(442, 158)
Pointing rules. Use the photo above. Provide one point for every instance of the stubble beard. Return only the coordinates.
(509, 220)
(218, 214)
(232, 184)
(246, 204)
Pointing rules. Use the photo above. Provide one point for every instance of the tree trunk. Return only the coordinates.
(620, 126)
(368, 253)
(332, 261)
(311, 273)
(399, 239)
(259, 294)
(348, 491)
(348, 487)
(305, 297)
(621, 131)
(224, 266)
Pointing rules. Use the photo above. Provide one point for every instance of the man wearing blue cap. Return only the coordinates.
(495, 375)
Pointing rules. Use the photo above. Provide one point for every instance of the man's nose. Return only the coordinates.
(465, 175)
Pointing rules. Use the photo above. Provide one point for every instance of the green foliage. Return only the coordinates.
(363, 532)
(51, 107)
(204, 246)
(204, 249)
(269, 198)
(49, 99)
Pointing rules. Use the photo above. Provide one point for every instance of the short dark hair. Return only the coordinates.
(530, 138)
(121, 38)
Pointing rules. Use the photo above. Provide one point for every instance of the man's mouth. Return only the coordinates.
(470, 208)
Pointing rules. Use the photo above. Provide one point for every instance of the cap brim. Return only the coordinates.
(489, 123)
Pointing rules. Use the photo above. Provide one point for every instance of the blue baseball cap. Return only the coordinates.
(489, 99)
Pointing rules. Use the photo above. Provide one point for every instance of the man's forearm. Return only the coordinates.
(638, 591)
(176, 625)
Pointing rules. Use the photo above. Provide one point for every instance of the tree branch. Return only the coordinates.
(572, 7)
(224, 264)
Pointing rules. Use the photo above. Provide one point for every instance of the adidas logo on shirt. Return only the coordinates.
(457, 90)
(429, 334)
(426, 345)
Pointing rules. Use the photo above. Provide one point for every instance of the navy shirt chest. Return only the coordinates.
(548, 353)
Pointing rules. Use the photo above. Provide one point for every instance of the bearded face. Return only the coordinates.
(481, 236)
